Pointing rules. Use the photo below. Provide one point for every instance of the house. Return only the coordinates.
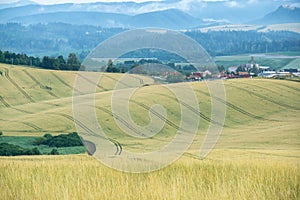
(232, 69)
(199, 75)
(243, 74)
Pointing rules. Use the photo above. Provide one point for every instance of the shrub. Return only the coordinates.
(54, 152)
(63, 140)
(15, 150)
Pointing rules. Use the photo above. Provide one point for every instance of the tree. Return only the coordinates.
(61, 62)
(109, 66)
(221, 68)
(1, 133)
(73, 62)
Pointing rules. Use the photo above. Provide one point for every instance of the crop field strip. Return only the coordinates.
(4, 102)
(170, 123)
(36, 129)
(265, 98)
(65, 83)
(90, 132)
(6, 74)
(268, 89)
(117, 80)
(93, 83)
(120, 119)
(40, 84)
(195, 111)
(233, 107)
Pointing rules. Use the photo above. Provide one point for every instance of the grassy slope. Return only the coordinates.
(275, 63)
(257, 155)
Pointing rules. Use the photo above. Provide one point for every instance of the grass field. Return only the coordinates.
(256, 157)
(276, 61)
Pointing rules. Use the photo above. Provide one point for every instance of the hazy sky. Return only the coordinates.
(69, 1)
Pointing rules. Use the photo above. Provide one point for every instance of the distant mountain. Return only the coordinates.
(284, 14)
(76, 18)
(17, 4)
(171, 19)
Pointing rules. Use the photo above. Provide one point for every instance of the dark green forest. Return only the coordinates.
(56, 39)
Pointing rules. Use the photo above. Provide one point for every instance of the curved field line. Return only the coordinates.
(157, 115)
(288, 86)
(37, 82)
(234, 107)
(266, 98)
(99, 86)
(120, 119)
(4, 102)
(65, 83)
(35, 127)
(195, 111)
(140, 79)
(6, 74)
(104, 75)
(22, 111)
(115, 142)
(265, 88)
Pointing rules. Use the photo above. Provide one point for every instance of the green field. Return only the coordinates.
(281, 60)
(256, 157)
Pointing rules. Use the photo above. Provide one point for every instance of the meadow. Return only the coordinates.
(256, 157)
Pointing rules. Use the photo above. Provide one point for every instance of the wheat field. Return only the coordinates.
(256, 157)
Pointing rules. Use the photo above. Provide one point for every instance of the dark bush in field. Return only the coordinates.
(54, 152)
(15, 150)
(63, 140)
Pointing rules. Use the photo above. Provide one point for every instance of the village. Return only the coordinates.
(247, 70)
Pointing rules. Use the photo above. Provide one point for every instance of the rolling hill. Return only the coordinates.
(35, 101)
(257, 155)
(170, 18)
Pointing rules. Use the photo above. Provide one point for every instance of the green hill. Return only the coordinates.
(261, 113)
(257, 155)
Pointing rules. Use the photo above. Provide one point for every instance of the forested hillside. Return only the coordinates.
(56, 39)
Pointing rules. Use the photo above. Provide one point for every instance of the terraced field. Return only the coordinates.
(257, 155)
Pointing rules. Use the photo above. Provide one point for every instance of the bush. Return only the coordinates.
(54, 152)
(47, 136)
(15, 150)
(63, 140)
(1, 133)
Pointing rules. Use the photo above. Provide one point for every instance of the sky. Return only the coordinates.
(229, 3)
(70, 1)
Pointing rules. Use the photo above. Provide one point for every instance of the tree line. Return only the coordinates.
(56, 37)
(47, 62)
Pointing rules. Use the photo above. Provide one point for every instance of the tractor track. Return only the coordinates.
(39, 83)
(65, 83)
(234, 107)
(4, 102)
(31, 125)
(6, 74)
(99, 86)
(195, 111)
(265, 88)
(118, 81)
(290, 87)
(170, 123)
(140, 79)
(120, 119)
(265, 98)
(90, 132)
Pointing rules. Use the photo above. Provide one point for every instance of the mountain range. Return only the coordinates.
(138, 15)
